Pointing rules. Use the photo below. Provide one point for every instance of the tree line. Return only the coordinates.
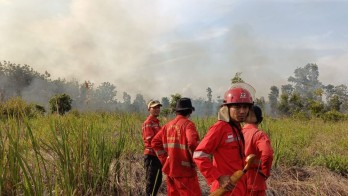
(305, 95)
(43, 91)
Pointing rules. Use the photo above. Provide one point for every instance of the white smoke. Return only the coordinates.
(157, 48)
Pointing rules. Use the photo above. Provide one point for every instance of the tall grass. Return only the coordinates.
(63, 155)
(75, 154)
(309, 143)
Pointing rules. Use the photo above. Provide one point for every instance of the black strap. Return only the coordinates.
(240, 134)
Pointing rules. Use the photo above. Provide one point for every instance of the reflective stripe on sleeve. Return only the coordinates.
(175, 145)
(150, 125)
(232, 139)
(200, 154)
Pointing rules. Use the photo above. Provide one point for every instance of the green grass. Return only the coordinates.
(308, 143)
(71, 154)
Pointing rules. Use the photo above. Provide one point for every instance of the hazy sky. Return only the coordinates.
(158, 48)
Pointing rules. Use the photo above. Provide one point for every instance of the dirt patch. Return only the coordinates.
(128, 178)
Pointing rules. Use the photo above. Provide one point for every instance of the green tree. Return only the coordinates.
(287, 89)
(342, 92)
(296, 104)
(344, 106)
(283, 105)
(57, 86)
(306, 81)
(200, 106)
(273, 99)
(209, 94)
(237, 78)
(139, 104)
(209, 102)
(17, 77)
(337, 96)
(329, 91)
(334, 103)
(284, 102)
(174, 98)
(106, 93)
(72, 88)
(165, 102)
(86, 90)
(165, 111)
(126, 98)
(316, 108)
(126, 105)
(60, 103)
(261, 102)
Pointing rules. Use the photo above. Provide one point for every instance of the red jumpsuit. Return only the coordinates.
(150, 128)
(153, 167)
(174, 145)
(226, 145)
(258, 143)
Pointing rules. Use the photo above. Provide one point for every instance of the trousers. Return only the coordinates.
(153, 174)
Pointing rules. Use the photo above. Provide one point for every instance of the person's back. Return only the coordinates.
(179, 159)
(174, 145)
(258, 143)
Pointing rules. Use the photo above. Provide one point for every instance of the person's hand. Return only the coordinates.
(225, 183)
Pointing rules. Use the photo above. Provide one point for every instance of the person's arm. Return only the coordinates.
(157, 146)
(148, 133)
(263, 144)
(192, 137)
(203, 152)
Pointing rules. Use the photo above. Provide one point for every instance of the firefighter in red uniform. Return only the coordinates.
(225, 142)
(174, 145)
(153, 166)
(258, 143)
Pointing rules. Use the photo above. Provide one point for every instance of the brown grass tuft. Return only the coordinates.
(306, 181)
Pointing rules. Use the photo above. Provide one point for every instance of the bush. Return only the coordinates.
(39, 110)
(60, 103)
(16, 107)
(301, 116)
(333, 116)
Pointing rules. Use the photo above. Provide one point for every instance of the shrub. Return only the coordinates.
(333, 116)
(16, 107)
(301, 116)
(60, 103)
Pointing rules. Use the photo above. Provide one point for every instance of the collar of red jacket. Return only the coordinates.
(152, 118)
(180, 117)
(250, 126)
